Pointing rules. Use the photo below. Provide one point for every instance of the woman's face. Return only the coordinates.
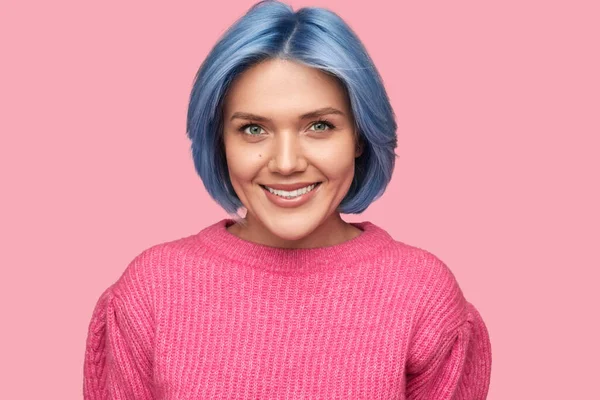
(288, 127)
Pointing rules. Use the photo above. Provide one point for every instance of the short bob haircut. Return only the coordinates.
(315, 37)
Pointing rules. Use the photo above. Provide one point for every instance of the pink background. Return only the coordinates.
(498, 107)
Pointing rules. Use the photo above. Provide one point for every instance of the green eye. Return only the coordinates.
(251, 129)
(321, 126)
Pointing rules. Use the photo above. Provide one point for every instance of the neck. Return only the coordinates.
(334, 230)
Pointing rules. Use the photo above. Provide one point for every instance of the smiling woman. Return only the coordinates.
(289, 121)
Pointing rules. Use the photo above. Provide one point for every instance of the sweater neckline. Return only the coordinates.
(293, 261)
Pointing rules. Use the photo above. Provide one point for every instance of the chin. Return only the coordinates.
(288, 227)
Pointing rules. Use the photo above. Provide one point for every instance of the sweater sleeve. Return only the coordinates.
(451, 351)
(118, 356)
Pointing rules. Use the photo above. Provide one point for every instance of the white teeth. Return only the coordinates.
(293, 193)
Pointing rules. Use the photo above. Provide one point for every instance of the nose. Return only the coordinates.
(287, 154)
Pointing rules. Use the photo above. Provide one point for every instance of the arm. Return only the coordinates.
(451, 351)
(118, 356)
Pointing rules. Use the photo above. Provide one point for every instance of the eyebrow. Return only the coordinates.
(313, 114)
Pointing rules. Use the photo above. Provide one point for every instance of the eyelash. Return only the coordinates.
(321, 121)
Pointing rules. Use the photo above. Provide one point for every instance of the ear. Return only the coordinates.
(360, 146)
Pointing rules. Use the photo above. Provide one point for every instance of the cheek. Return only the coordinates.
(243, 163)
(335, 160)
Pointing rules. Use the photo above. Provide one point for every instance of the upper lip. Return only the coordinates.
(289, 186)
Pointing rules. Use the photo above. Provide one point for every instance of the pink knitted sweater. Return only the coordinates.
(212, 316)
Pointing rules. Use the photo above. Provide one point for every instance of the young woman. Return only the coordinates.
(289, 123)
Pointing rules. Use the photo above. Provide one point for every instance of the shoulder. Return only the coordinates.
(414, 263)
(153, 267)
(422, 264)
(432, 281)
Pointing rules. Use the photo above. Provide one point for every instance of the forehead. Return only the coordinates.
(283, 86)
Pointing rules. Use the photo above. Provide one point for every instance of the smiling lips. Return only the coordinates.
(291, 195)
(290, 186)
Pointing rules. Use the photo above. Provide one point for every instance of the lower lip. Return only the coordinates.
(293, 202)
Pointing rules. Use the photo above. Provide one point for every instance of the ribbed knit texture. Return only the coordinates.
(212, 316)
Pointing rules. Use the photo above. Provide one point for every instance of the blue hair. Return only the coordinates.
(315, 37)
